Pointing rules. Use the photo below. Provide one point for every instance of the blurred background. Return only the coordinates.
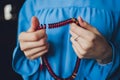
(9, 10)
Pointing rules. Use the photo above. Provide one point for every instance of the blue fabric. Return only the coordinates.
(102, 14)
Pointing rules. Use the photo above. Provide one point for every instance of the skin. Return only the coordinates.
(33, 42)
(86, 40)
(88, 43)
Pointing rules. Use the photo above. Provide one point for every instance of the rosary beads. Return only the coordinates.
(59, 24)
(44, 59)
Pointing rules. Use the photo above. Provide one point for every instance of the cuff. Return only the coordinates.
(111, 58)
(22, 65)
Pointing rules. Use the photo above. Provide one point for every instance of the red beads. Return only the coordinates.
(44, 59)
(72, 77)
(59, 24)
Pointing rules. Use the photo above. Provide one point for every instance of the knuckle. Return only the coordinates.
(81, 57)
(20, 36)
(42, 31)
(22, 48)
(42, 41)
(84, 53)
(26, 54)
(92, 38)
(35, 37)
(87, 48)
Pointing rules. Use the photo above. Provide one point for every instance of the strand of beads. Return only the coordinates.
(59, 24)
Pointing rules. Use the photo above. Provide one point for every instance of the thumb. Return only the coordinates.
(87, 26)
(34, 24)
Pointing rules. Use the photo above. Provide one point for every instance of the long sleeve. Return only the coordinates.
(115, 70)
(112, 69)
(112, 34)
(104, 15)
(20, 63)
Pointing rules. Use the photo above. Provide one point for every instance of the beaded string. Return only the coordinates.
(59, 78)
(57, 25)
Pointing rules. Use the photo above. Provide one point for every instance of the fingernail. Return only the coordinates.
(79, 18)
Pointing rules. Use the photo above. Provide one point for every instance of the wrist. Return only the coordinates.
(107, 57)
(106, 60)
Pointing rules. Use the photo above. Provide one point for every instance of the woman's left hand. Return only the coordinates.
(87, 42)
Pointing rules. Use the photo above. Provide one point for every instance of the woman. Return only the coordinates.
(88, 50)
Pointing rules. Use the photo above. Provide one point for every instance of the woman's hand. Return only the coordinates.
(88, 43)
(33, 42)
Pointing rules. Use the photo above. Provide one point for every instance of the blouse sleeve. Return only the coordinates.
(109, 71)
(20, 63)
(115, 43)
(112, 69)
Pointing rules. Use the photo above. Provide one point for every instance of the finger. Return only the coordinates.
(75, 36)
(78, 47)
(81, 31)
(77, 52)
(37, 55)
(80, 55)
(31, 52)
(87, 36)
(29, 45)
(87, 26)
(34, 36)
(85, 44)
(34, 24)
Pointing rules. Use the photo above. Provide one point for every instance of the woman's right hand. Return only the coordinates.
(33, 42)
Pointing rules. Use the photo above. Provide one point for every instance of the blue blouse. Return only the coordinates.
(102, 14)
